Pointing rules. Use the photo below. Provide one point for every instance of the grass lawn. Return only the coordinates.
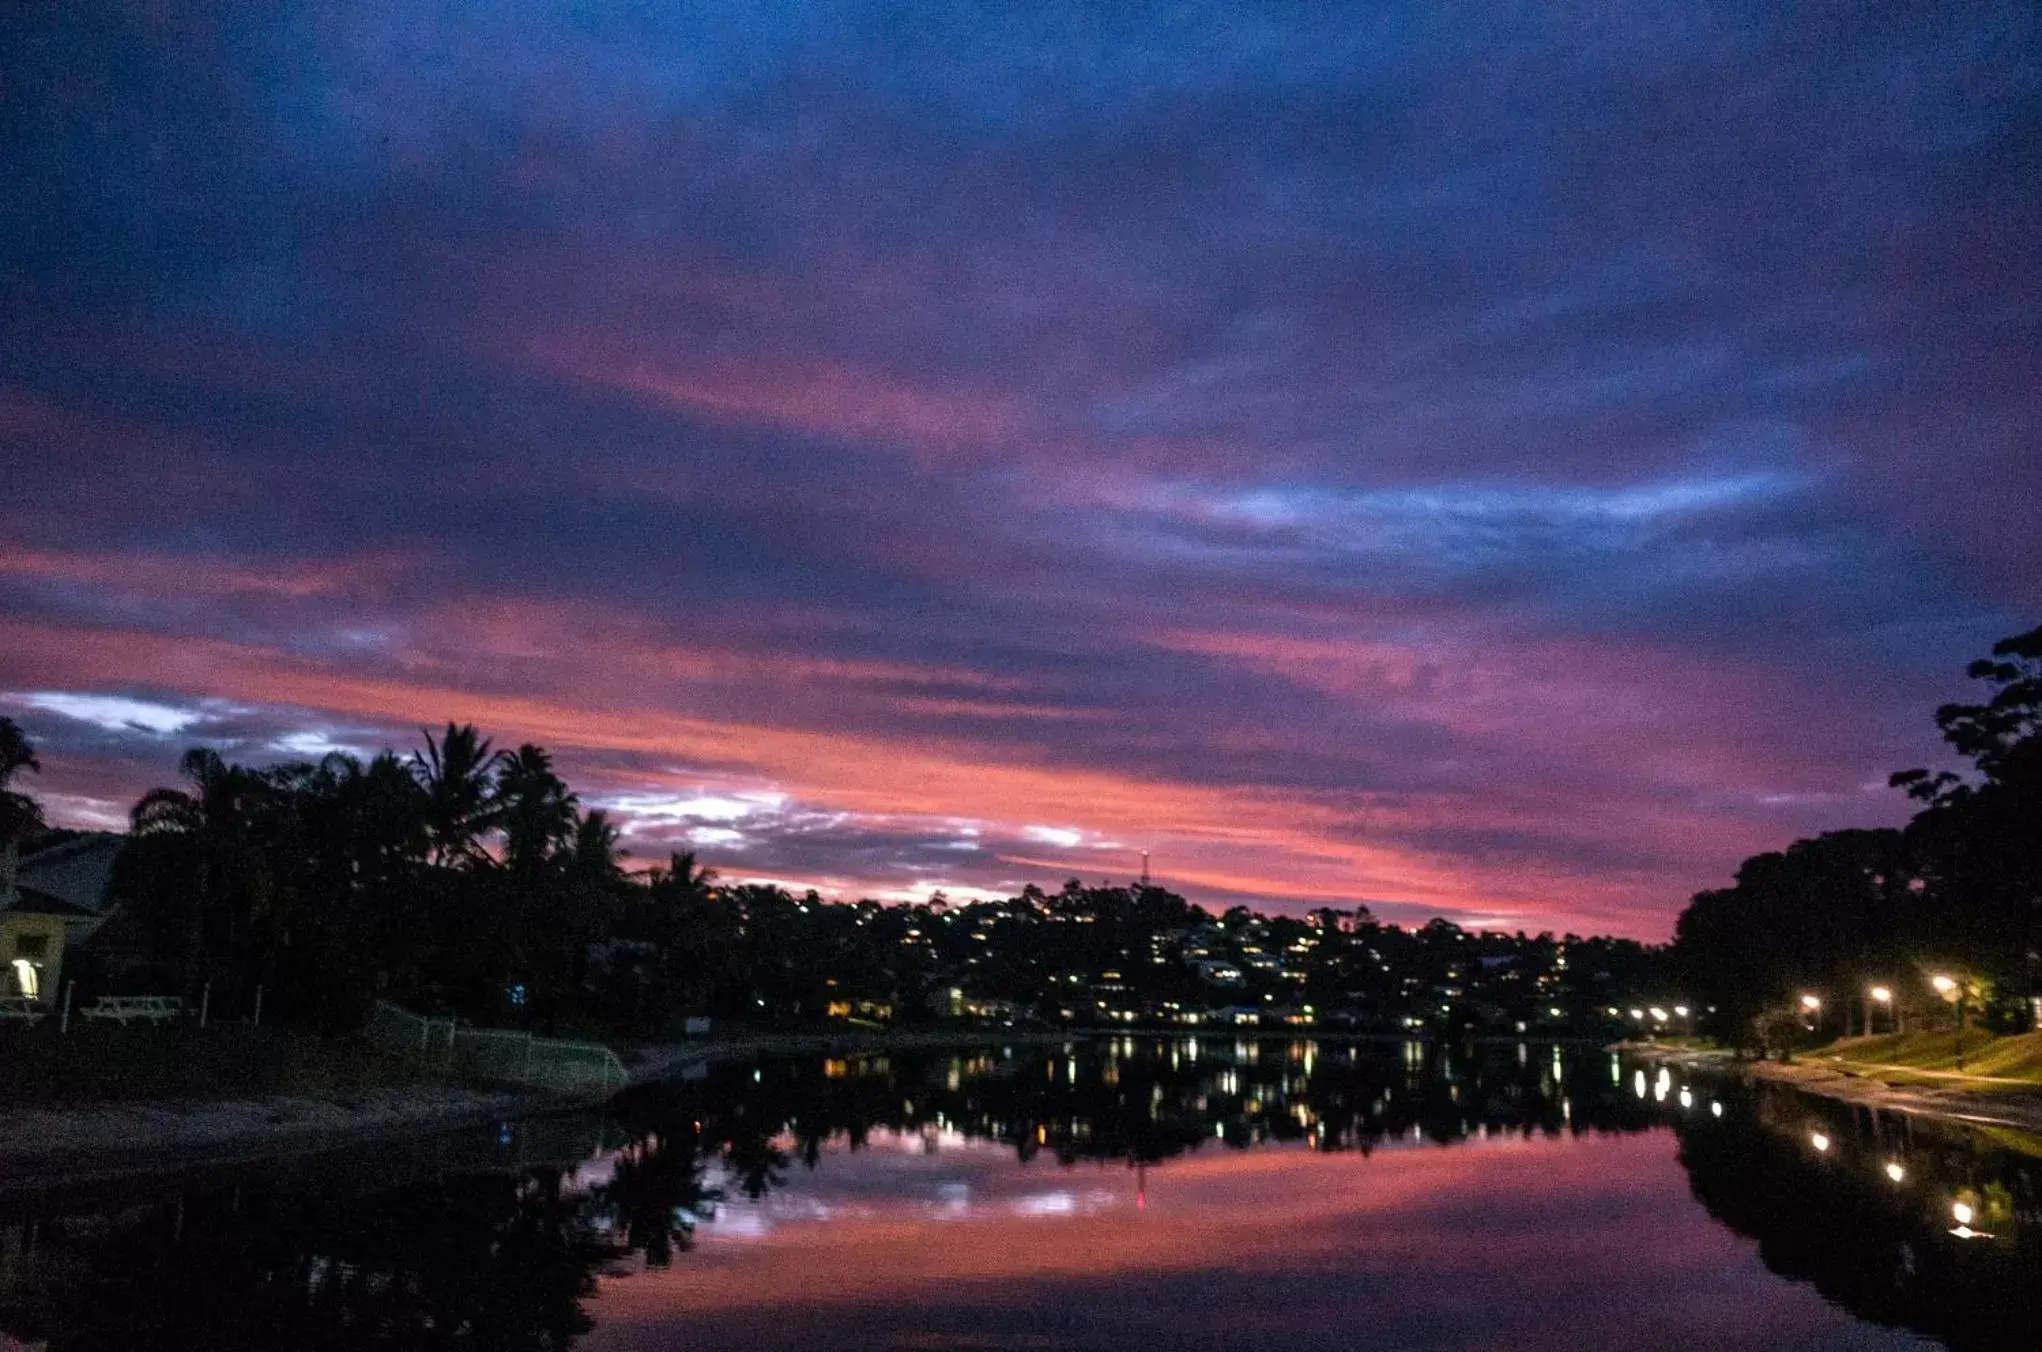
(2009, 1058)
(96, 1062)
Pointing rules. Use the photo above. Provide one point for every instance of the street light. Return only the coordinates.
(1880, 995)
(1951, 989)
(1811, 1010)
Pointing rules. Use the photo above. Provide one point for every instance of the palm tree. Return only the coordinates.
(458, 773)
(535, 809)
(211, 826)
(593, 855)
(685, 878)
(20, 815)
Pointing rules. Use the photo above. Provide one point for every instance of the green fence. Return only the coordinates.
(499, 1054)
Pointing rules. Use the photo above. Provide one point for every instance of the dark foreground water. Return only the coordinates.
(1186, 1195)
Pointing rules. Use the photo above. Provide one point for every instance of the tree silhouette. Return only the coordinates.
(534, 809)
(20, 815)
(458, 772)
(205, 835)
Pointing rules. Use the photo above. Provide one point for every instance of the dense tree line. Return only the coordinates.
(471, 880)
(1957, 892)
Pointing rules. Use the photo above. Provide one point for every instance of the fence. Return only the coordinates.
(519, 1058)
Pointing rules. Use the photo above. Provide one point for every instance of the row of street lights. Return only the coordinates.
(1948, 987)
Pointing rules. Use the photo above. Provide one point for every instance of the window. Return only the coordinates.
(36, 946)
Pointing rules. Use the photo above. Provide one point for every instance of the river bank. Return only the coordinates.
(66, 1142)
(682, 1058)
(1948, 1096)
(114, 1137)
(662, 1062)
(42, 1146)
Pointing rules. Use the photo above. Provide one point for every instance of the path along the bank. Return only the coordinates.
(1954, 1096)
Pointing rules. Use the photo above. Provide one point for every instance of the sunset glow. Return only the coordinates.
(1358, 460)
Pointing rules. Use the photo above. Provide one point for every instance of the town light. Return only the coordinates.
(1946, 986)
(1658, 1014)
(1883, 995)
(1895, 1172)
(1819, 1141)
(1680, 1011)
(1961, 1212)
(1811, 1002)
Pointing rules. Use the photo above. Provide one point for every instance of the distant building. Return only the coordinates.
(1219, 973)
(59, 899)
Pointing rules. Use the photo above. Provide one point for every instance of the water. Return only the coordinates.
(1120, 1194)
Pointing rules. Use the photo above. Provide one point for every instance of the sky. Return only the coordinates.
(1491, 461)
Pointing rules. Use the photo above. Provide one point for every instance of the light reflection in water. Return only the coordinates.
(1034, 1199)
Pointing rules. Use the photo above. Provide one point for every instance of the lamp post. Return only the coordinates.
(1952, 990)
(1811, 1009)
(1881, 995)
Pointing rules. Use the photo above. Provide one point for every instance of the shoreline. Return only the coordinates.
(41, 1148)
(2014, 1108)
(667, 1060)
(45, 1148)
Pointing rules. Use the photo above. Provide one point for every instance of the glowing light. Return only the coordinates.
(1882, 994)
(1962, 1213)
(1680, 1011)
(1715, 1108)
(1811, 1002)
(1658, 1014)
(1895, 1172)
(1945, 986)
(1819, 1141)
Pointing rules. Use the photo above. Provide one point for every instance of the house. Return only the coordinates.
(1217, 973)
(59, 898)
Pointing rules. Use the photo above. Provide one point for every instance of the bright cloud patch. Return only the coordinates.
(1063, 837)
(115, 713)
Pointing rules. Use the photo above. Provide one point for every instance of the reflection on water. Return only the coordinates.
(1214, 1193)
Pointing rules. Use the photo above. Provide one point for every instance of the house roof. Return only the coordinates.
(35, 901)
(75, 871)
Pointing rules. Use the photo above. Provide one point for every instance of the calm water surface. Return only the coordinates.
(1116, 1194)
